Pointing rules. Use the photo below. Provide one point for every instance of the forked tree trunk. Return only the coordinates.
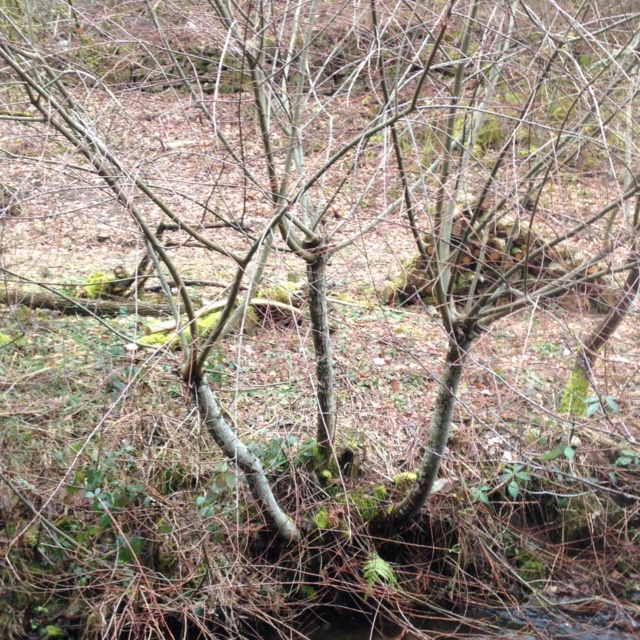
(317, 277)
(439, 430)
(228, 441)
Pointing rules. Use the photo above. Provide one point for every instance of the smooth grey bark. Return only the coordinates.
(228, 441)
(439, 430)
(317, 278)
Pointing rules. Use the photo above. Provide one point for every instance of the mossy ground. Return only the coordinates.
(98, 284)
(205, 323)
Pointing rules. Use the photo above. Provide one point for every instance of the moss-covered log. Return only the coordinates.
(206, 322)
(68, 305)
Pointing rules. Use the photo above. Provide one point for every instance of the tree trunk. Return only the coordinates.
(317, 276)
(228, 441)
(79, 306)
(131, 286)
(446, 398)
(575, 393)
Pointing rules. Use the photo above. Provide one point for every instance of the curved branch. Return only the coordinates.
(228, 441)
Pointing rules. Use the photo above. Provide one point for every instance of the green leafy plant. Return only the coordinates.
(596, 404)
(224, 481)
(515, 478)
(102, 482)
(481, 493)
(558, 451)
(378, 571)
(546, 349)
(627, 458)
(215, 367)
(273, 454)
(129, 548)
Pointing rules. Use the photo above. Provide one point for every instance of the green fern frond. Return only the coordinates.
(378, 571)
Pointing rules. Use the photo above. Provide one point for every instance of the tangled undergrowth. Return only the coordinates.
(120, 519)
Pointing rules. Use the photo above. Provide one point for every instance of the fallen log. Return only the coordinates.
(190, 283)
(82, 307)
(279, 306)
(170, 325)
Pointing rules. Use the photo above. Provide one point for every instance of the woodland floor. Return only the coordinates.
(69, 377)
(69, 230)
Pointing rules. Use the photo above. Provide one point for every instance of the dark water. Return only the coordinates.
(345, 627)
(499, 627)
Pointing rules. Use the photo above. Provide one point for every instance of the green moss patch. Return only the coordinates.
(364, 504)
(531, 569)
(205, 323)
(575, 394)
(405, 480)
(491, 135)
(287, 292)
(158, 339)
(98, 284)
(321, 519)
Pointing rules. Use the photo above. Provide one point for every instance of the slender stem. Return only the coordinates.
(406, 192)
(318, 313)
(227, 318)
(235, 449)
(166, 289)
(443, 223)
(439, 430)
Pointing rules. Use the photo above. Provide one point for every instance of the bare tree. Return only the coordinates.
(472, 159)
(481, 261)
